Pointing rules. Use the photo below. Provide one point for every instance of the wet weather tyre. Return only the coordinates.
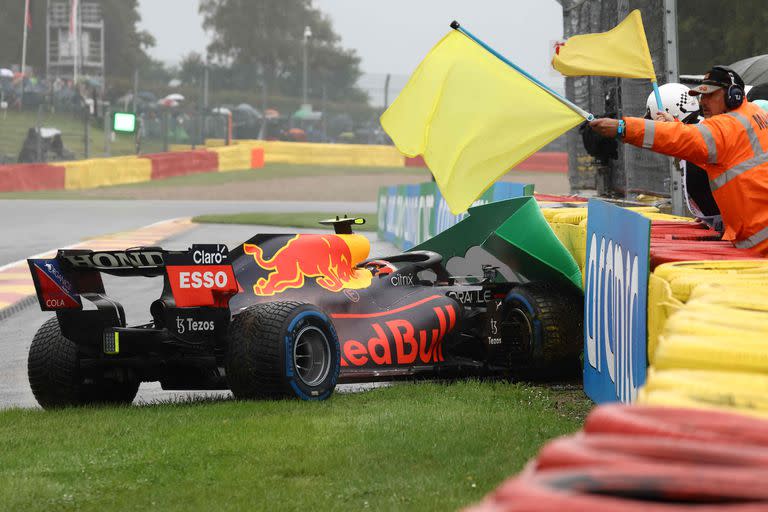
(551, 317)
(53, 368)
(282, 350)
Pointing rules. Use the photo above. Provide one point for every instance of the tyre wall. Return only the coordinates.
(104, 172)
(361, 155)
(645, 458)
(28, 177)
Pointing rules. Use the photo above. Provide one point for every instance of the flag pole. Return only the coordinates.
(658, 95)
(24, 52)
(75, 42)
(583, 113)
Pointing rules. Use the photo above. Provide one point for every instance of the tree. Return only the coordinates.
(263, 41)
(191, 68)
(12, 29)
(715, 32)
(125, 45)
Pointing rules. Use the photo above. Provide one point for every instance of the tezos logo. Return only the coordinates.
(203, 280)
(189, 324)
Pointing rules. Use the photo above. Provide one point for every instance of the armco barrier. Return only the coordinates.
(411, 214)
(238, 157)
(362, 155)
(104, 172)
(27, 177)
(166, 165)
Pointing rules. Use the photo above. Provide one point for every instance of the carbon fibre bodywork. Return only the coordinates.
(401, 316)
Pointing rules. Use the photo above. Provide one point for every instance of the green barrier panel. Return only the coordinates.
(515, 232)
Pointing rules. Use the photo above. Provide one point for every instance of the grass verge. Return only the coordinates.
(411, 447)
(294, 219)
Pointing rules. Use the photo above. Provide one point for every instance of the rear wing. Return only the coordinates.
(200, 276)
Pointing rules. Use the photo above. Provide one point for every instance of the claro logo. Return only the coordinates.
(613, 317)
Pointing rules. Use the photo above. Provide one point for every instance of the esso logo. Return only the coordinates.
(203, 280)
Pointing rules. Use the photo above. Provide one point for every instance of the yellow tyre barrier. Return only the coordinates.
(550, 213)
(704, 319)
(671, 398)
(570, 217)
(683, 285)
(233, 158)
(745, 388)
(661, 305)
(734, 295)
(103, 172)
(720, 350)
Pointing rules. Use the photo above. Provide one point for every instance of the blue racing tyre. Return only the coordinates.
(282, 349)
(549, 327)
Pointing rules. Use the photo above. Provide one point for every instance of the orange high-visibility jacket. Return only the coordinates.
(733, 149)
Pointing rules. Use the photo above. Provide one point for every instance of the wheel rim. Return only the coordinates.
(520, 319)
(312, 356)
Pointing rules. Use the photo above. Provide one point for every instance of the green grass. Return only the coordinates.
(270, 171)
(409, 447)
(294, 219)
(14, 126)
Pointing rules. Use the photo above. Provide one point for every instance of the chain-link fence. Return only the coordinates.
(49, 131)
(53, 121)
(635, 171)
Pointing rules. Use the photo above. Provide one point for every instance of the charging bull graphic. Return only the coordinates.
(327, 258)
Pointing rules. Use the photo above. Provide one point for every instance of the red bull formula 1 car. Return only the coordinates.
(293, 315)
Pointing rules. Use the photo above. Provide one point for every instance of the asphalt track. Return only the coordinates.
(17, 331)
(33, 226)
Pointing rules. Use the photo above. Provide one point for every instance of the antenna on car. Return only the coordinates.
(343, 226)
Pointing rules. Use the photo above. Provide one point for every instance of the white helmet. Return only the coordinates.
(676, 101)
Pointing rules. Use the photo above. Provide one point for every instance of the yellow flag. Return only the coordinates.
(472, 117)
(622, 51)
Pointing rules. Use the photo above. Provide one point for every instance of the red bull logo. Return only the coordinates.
(329, 259)
(399, 342)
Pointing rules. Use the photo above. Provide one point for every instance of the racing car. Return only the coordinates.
(292, 315)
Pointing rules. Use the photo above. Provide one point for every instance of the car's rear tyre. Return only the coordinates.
(54, 374)
(551, 315)
(282, 350)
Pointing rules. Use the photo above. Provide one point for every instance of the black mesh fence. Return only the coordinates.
(635, 171)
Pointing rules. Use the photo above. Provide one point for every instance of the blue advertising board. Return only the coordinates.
(615, 302)
(410, 214)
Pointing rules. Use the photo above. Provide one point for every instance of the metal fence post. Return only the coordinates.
(164, 124)
(672, 61)
(106, 110)
(86, 131)
(39, 138)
